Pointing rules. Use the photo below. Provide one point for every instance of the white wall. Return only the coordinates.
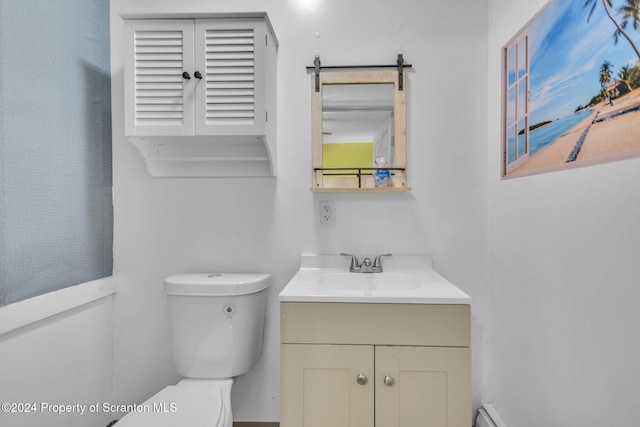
(65, 359)
(164, 226)
(564, 260)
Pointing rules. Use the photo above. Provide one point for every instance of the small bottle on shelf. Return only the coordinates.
(381, 177)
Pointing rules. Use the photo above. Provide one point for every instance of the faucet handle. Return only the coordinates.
(355, 264)
(378, 262)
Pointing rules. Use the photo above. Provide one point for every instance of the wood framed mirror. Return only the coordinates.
(358, 117)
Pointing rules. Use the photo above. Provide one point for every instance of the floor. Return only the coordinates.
(239, 424)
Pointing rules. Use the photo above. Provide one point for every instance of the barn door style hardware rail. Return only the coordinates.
(400, 65)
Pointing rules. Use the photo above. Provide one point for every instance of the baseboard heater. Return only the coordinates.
(489, 417)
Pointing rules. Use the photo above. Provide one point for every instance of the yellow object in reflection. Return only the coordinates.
(347, 155)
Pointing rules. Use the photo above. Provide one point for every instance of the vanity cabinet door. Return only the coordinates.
(327, 385)
(434, 382)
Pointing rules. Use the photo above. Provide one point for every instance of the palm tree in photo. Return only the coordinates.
(634, 75)
(625, 76)
(630, 11)
(605, 77)
(619, 29)
(606, 73)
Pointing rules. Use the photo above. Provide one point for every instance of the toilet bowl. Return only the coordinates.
(193, 403)
(217, 323)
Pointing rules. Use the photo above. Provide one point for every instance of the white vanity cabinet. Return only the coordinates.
(371, 364)
(199, 76)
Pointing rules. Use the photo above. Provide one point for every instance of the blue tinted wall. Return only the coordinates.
(56, 213)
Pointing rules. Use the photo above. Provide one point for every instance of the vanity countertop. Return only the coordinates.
(406, 279)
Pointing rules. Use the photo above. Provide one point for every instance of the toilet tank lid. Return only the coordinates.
(211, 284)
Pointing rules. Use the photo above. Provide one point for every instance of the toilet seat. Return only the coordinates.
(193, 403)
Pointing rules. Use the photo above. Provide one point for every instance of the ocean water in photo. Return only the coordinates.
(545, 135)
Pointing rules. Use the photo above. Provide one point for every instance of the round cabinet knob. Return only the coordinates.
(361, 379)
(197, 75)
(186, 76)
(389, 381)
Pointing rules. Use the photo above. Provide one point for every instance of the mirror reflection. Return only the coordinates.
(358, 118)
(357, 125)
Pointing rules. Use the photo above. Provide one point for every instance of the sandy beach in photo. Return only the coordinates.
(615, 135)
(620, 133)
(557, 152)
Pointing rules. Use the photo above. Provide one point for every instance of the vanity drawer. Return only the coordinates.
(442, 325)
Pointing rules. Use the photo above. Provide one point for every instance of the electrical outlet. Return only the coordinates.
(327, 212)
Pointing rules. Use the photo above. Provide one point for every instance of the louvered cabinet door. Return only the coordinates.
(230, 55)
(159, 100)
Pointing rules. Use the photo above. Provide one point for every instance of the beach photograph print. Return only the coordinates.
(571, 87)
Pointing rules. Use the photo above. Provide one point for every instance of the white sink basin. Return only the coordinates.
(406, 279)
(383, 282)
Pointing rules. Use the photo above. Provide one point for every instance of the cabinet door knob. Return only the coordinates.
(389, 381)
(186, 76)
(197, 75)
(361, 379)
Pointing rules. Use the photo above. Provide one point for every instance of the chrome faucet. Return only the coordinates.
(367, 265)
(355, 264)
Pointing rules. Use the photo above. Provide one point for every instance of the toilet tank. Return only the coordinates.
(217, 322)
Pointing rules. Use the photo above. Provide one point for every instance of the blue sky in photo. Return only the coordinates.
(566, 55)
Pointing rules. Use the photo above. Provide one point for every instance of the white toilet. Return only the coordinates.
(217, 323)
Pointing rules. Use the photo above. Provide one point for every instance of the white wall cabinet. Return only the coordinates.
(199, 92)
(375, 381)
